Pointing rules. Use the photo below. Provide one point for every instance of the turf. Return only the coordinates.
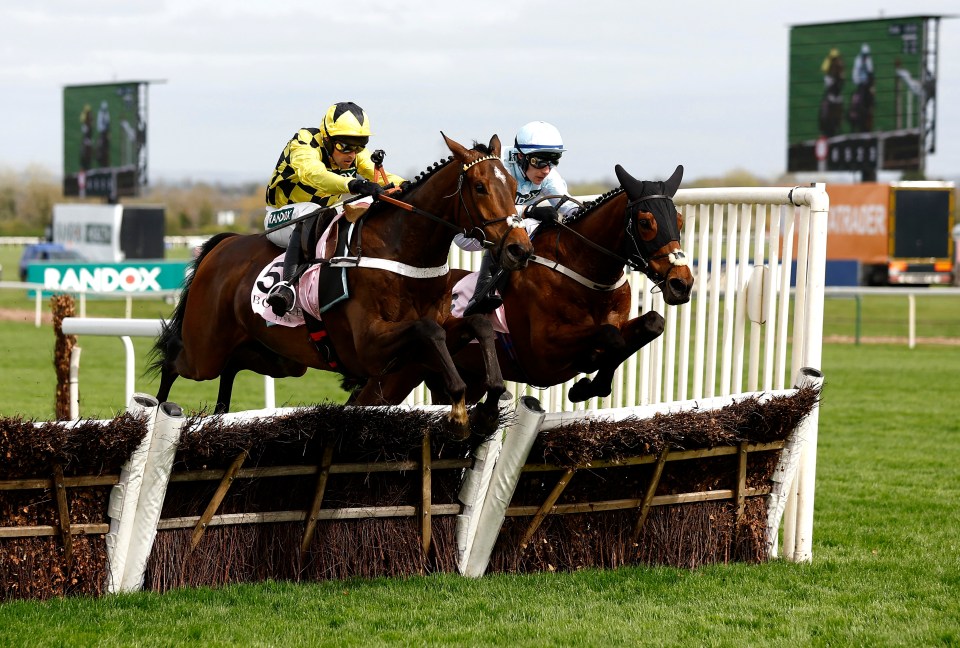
(884, 570)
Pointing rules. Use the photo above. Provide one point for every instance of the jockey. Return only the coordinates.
(533, 163)
(317, 167)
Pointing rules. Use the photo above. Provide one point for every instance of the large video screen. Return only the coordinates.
(860, 95)
(104, 139)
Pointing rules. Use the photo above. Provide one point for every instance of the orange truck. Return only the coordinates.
(898, 233)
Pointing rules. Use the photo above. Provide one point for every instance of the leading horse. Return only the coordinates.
(568, 312)
(393, 317)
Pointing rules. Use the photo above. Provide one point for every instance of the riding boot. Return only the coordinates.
(485, 298)
(283, 296)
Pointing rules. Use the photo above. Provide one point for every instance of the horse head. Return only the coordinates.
(653, 228)
(486, 194)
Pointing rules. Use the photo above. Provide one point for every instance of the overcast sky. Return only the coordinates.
(646, 85)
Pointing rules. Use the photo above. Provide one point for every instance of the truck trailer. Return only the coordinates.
(897, 233)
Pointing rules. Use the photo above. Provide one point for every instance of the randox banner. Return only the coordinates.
(118, 278)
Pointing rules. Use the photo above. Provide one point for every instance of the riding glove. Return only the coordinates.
(361, 187)
(544, 213)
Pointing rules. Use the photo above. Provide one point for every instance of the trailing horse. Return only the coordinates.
(394, 314)
(568, 311)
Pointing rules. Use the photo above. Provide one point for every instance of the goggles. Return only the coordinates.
(346, 147)
(543, 160)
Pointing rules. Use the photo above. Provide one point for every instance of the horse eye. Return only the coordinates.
(645, 223)
(481, 188)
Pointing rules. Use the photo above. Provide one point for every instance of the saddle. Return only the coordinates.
(312, 234)
(321, 245)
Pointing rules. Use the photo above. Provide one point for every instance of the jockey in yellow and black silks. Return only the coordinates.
(318, 166)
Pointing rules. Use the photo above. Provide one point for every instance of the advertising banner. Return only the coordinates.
(91, 230)
(857, 223)
(116, 279)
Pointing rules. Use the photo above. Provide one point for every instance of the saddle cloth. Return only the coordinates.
(463, 292)
(308, 286)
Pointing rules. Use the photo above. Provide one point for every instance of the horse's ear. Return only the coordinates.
(673, 183)
(455, 148)
(495, 145)
(631, 185)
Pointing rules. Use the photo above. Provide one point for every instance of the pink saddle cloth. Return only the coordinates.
(463, 292)
(307, 289)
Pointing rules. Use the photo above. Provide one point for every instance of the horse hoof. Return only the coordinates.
(484, 420)
(580, 391)
(459, 431)
(653, 323)
(459, 421)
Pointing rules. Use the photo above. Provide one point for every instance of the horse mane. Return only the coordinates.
(169, 340)
(593, 205)
(419, 180)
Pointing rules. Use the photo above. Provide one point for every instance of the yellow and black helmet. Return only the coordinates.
(345, 119)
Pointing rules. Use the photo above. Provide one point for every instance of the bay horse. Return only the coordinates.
(390, 319)
(568, 311)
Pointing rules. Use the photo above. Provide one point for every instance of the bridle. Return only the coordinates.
(636, 259)
(475, 231)
(512, 219)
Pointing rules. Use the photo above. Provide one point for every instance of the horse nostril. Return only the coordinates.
(678, 286)
(519, 252)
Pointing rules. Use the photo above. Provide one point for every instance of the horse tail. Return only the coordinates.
(352, 385)
(170, 340)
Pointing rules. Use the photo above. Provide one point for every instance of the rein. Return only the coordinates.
(635, 261)
(515, 221)
(412, 271)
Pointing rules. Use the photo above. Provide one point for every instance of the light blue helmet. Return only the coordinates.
(539, 137)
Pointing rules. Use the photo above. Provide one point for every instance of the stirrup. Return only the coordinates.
(483, 306)
(281, 298)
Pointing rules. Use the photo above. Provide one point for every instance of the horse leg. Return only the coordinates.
(253, 356)
(167, 378)
(421, 341)
(616, 345)
(485, 417)
(225, 392)
(606, 340)
(460, 333)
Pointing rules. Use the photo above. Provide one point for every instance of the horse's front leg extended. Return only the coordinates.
(460, 333)
(423, 342)
(614, 347)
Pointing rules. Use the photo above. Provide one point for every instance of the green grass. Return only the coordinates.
(888, 316)
(885, 570)
(29, 379)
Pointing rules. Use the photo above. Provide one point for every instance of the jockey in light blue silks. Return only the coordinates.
(533, 162)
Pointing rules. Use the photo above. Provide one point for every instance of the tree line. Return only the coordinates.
(27, 198)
